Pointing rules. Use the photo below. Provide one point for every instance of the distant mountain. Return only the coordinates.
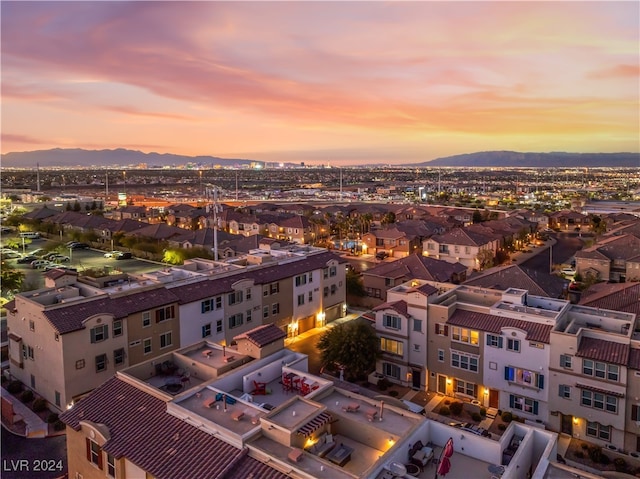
(104, 158)
(543, 160)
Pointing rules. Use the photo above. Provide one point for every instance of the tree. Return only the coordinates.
(12, 279)
(352, 345)
(354, 283)
(388, 218)
(485, 259)
(477, 216)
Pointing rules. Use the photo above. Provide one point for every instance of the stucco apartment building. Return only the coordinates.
(461, 246)
(89, 329)
(569, 367)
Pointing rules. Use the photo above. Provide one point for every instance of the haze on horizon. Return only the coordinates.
(335, 82)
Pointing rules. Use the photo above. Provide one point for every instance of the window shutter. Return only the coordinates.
(88, 442)
(561, 390)
(157, 315)
(437, 327)
(202, 305)
(100, 458)
(93, 335)
(512, 401)
(634, 412)
(500, 342)
(488, 340)
(446, 330)
(106, 331)
(535, 407)
(541, 381)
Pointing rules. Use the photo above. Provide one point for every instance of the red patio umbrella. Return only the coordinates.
(444, 467)
(448, 448)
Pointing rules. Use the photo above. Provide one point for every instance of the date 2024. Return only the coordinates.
(35, 465)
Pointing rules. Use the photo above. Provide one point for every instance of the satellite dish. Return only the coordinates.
(397, 468)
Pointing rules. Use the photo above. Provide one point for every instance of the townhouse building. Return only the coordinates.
(461, 246)
(392, 241)
(615, 258)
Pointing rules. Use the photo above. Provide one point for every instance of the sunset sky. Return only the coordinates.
(321, 82)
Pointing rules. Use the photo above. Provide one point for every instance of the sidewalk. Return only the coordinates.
(314, 331)
(35, 427)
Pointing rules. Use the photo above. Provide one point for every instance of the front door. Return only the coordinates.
(442, 384)
(494, 398)
(416, 376)
(567, 425)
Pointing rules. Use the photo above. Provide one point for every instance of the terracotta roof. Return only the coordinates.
(416, 266)
(68, 318)
(248, 468)
(493, 324)
(461, 236)
(59, 273)
(397, 306)
(606, 351)
(515, 276)
(161, 444)
(623, 297)
(263, 335)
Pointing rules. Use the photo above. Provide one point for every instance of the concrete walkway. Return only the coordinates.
(312, 332)
(35, 427)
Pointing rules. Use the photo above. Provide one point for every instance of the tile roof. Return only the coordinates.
(416, 266)
(515, 276)
(71, 317)
(493, 324)
(623, 297)
(460, 236)
(263, 335)
(397, 306)
(59, 273)
(601, 350)
(161, 444)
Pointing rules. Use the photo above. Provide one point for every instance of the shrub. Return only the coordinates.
(394, 393)
(53, 417)
(444, 410)
(27, 396)
(595, 454)
(456, 408)
(59, 425)
(500, 412)
(580, 455)
(483, 412)
(502, 427)
(39, 405)
(584, 445)
(476, 416)
(604, 459)
(383, 384)
(14, 387)
(447, 402)
(621, 464)
(507, 416)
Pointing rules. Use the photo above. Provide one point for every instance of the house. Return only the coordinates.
(569, 220)
(518, 276)
(614, 258)
(392, 241)
(461, 245)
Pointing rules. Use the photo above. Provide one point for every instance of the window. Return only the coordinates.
(32, 325)
(391, 370)
(79, 363)
(94, 453)
(265, 291)
(534, 344)
(248, 315)
(441, 355)
(219, 326)
(417, 325)
(494, 341)
(334, 288)
(300, 280)
(416, 347)
(234, 298)
(265, 312)
(598, 400)
(300, 299)
(565, 361)
(235, 320)
(146, 319)
(165, 340)
(118, 356)
(56, 336)
(600, 370)
(464, 335)
(310, 275)
(111, 465)
(24, 351)
(325, 273)
(524, 377)
(390, 321)
(30, 353)
(464, 361)
(164, 314)
(247, 293)
(310, 296)
(513, 345)
(523, 404)
(101, 362)
(274, 288)
(564, 391)
(466, 387)
(275, 308)
(325, 291)
(218, 302)
(391, 346)
(442, 329)
(57, 393)
(146, 346)
(117, 328)
(597, 430)
(99, 333)
(33, 382)
(333, 271)
(207, 305)
(206, 330)
(635, 412)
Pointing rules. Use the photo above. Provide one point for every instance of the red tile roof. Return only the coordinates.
(493, 324)
(263, 335)
(623, 297)
(397, 306)
(606, 351)
(161, 444)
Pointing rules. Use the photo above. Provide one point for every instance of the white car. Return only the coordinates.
(112, 254)
(40, 263)
(568, 272)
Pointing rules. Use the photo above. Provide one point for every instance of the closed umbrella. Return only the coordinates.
(444, 465)
(448, 448)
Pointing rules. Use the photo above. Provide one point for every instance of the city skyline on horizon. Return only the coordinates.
(323, 83)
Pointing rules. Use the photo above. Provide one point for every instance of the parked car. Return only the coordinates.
(10, 254)
(79, 246)
(51, 266)
(27, 259)
(382, 254)
(39, 263)
(49, 256)
(568, 272)
(112, 254)
(124, 256)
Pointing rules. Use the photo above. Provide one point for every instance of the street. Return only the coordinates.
(33, 458)
(564, 248)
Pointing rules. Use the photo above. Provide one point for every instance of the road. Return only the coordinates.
(33, 458)
(564, 248)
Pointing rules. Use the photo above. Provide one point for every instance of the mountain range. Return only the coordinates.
(59, 157)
